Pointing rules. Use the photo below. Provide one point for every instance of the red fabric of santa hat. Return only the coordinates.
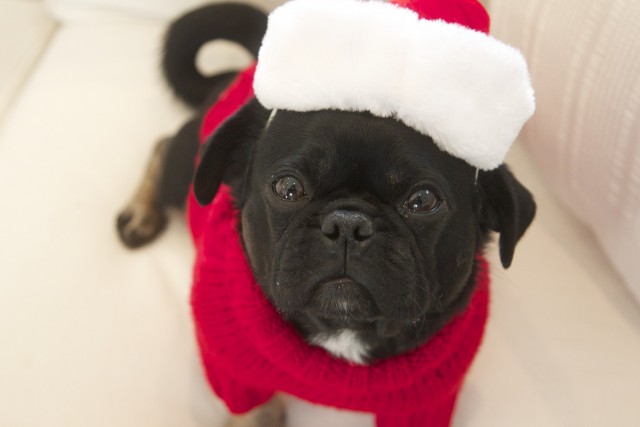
(428, 63)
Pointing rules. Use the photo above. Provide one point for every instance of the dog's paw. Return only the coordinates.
(139, 224)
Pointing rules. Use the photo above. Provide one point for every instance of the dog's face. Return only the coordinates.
(350, 217)
(351, 221)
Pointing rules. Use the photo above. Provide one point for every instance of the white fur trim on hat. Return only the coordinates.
(470, 92)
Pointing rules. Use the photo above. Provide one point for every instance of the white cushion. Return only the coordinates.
(101, 10)
(585, 135)
(99, 335)
(26, 29)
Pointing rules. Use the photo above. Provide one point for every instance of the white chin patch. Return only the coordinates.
(345, 345)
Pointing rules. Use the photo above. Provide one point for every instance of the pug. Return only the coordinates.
(360, 230)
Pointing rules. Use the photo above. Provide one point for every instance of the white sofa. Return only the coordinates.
(93, 334)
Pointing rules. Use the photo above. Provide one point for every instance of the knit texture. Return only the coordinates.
(249, 352)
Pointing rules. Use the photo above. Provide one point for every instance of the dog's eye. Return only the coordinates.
(423, 201)
(288, 188)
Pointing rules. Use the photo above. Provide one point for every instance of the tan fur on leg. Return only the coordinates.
(142, 219)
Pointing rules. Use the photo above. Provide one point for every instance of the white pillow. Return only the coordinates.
(584, 57)
(100, 10)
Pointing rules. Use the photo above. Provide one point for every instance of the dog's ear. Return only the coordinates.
(226, 153)
(508, 208)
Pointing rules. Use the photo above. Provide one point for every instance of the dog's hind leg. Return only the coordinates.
(176, 174)
(165, 183)
(270, 414)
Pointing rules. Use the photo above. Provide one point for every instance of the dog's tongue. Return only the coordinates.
(388, 328)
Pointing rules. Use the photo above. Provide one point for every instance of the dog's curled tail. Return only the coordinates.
(238, 23)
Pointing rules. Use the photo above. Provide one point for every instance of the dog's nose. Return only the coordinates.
(349, 225)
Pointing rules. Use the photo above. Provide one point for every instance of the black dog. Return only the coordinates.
(361, 232)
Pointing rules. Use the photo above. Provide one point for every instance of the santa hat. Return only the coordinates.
(428, 63)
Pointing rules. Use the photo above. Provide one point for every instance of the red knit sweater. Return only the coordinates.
(249, 352)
